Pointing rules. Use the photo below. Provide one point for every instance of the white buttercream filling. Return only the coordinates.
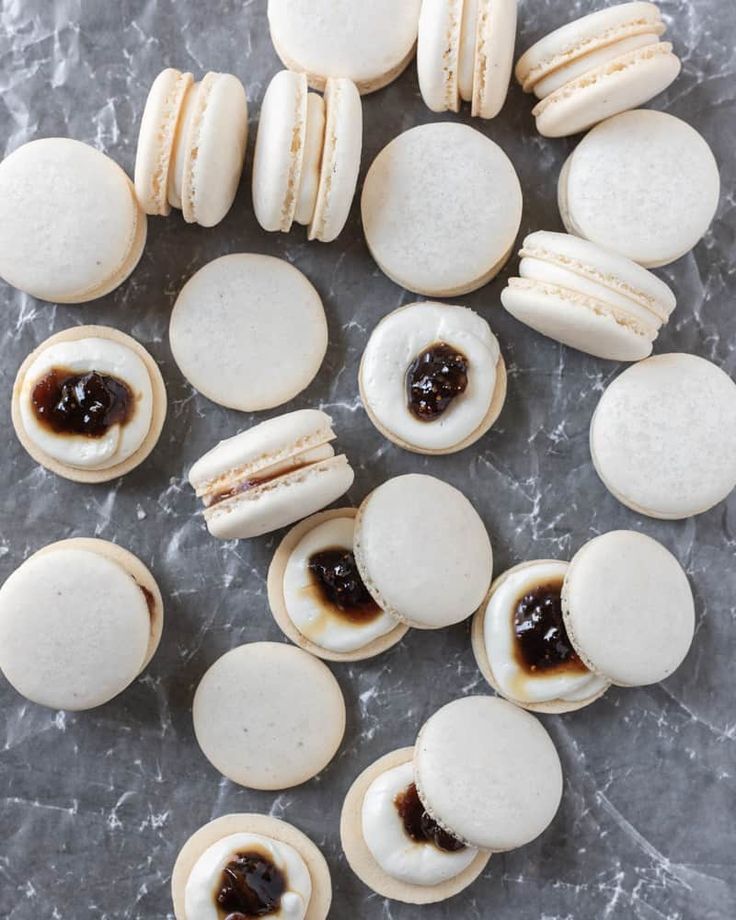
(312, 615)
(81, 357)
(311, 160)
(181, 146)
(395, 852)
(466, 53)
(205, 878)
(500, 640)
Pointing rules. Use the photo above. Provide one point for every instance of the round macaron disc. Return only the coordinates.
(488, 772)
(644, 184)
(628, 608)
(423, 551)
(663, 438)
(441, 209)
(71, 228)
(248, 331)
(269, 716)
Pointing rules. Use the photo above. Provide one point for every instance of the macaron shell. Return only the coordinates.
(361, 861)
(628, 608)
(438, 49)
(488, 772)
(267, 826)
(157, 421)
(496, 39)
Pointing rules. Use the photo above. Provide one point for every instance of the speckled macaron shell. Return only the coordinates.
(248, 331)
(431, 582)
(157, 420)
(266, 826)
(71, 228)
(644, 184)
(369, 43)
(663, 437)
(269, 716)
(361, 861)
(477, 638)
(277, 603)
(441, 209)
(488, 772)
(101, 678)
(628, 608)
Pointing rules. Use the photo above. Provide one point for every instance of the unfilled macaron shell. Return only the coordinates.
(269, 716)
(663, 437)
(422, 551)
(628, 608)
(488, 772)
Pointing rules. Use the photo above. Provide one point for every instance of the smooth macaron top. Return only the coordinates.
(423, 551)
(488, 772)
(628, 608)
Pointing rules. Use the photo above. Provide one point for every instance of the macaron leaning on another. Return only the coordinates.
(271, 475)
(588, 297)
(307, 155)
(71, 229)
(596, 67)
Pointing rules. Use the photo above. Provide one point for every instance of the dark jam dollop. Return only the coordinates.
(418, 824)
(541, 638)
(87, 404)
(251, 886)
(336, 577)
(435, 377)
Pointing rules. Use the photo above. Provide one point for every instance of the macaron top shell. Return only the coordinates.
(422, 551)
(628, 608)
(488, 772)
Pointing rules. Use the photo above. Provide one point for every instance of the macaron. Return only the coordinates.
(71, 229)
(420, 824)
(644, 184)
(191, 145)
(663, 437)
(598, 66)
(248, 331)
(432, 378)
(79, 621)
(441, 209)
(369, 43)
(307, 155)
(588, 297)
(271, 475)
(268, 715)
(422, 551)
(318, 598)
(465, 53)
(89, 404)
(249, 865)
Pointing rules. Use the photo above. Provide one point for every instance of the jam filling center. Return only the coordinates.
(251, 886)
(434, 378)
(336, 577)
(420, 826)
(542, 642)
(83, 404)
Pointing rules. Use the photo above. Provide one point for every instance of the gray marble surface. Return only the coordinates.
(95, 806)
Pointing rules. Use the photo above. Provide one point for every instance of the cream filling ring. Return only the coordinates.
(80, 357)
(395, 852)
(204, 879)
(396, 343)
(499, 639)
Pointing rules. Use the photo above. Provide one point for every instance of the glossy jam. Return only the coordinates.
(418, 824)
(435, 377)
(251, 886)
(542, 643)
(81, 404)
(335, 575)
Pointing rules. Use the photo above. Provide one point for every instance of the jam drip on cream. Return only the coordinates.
(251, 886)
(434, 379)
(420, 826)
(81, 404)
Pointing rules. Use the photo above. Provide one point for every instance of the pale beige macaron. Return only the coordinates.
(274, 830)
(191, 145)
(319, 601)
(79, 449)
(79, 621)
